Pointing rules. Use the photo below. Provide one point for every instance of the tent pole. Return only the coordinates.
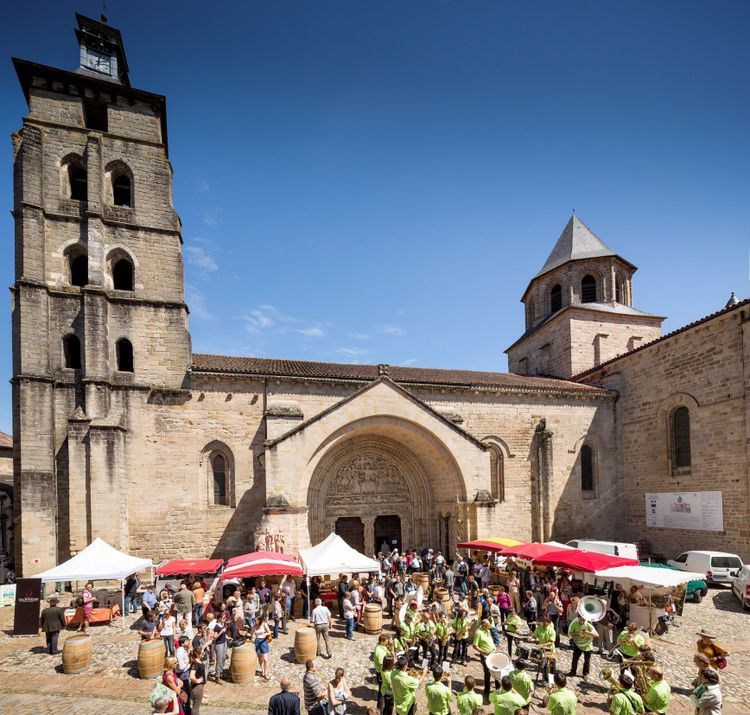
(122, 594)
(309, 612)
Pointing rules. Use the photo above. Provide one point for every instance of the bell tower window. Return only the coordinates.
(121, 194)
(78, 182)
(95, 115)
(124, 350)
(555, 298)
(79, 269)
(588, 289)
(122, 275)
(72, 352)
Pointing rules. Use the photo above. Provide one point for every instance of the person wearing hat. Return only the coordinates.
(659, 693)
(52, 621)
(707, 696)
(708, 646)
(630, 641)
(626, 701)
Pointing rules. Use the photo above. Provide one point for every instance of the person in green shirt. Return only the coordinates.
(506, 700)
(630, 641)
(581, 634)
(380, 652)
(468, 699)
(404, 687)
(545, 635)
(510, 627)
(484, 645)
(408, 636)
(386, 690)
(627, 701)
(439, 695)
(522, 682)
(426, 635)
(460, 638)
(442, 636)
(659, 693)
(562, 700)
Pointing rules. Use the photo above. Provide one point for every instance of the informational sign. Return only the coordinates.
(7, 594)
(700, 511)
(28, 595)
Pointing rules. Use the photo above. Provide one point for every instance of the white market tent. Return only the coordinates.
(656, 580)
(98, 562)
(332, 556)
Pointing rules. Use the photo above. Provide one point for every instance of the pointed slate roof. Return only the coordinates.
(576, 242)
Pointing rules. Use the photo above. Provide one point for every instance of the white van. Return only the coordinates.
(613, 548)
(719, 566)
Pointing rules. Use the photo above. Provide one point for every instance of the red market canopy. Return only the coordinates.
(533, 551)
(577, 560)
(493, 544)
(262, 563)
(177, 567)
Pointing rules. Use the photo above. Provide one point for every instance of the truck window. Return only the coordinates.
(681, 559)
(725, 562)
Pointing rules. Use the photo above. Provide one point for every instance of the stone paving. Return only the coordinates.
(32, 682)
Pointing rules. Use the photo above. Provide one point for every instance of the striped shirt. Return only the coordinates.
(312, 689)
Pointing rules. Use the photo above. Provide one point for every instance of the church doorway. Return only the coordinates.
(352, 530)
(388, 531)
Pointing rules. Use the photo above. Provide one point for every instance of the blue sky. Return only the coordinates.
(377, 181)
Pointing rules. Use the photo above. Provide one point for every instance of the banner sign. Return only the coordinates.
(700, 511)
(7, 594)
(28, 595)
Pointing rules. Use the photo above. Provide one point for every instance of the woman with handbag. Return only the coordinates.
(171, 680)
(708, 646)
(338, 692)
(262, 638)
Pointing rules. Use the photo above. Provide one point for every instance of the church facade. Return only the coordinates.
(122, 432)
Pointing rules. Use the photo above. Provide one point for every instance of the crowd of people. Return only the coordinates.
(462, 616)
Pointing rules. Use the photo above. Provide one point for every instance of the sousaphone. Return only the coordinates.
(417, 596)
(499, 664)
(591, 609)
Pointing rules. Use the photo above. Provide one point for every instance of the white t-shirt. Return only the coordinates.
(320, 615)
(167, 629)
(348, 608)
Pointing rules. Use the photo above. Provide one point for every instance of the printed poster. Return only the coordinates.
(699, 511)
(7, 594)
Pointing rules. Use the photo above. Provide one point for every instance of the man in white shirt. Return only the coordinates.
(320, 618)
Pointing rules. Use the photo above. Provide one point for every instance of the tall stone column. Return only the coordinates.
(369, 522)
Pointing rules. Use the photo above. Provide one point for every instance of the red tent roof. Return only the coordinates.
(262, 563)
(177, 567)
(578, 560)
(532, 551)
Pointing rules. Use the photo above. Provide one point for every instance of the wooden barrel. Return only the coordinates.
(305, 644)
(298, 604)
(244, 664)
(397, 612)
(423, 580)
(151, 658)
(442, 596)
(76, 655)
(373, 618)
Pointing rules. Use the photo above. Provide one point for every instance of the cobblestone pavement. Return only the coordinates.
(32, 682)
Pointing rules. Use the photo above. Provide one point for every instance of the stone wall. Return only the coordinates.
(704, 368)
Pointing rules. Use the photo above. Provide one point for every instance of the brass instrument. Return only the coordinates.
(637, 667)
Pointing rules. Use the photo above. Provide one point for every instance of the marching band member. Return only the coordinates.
(468, 699)
(581, 634)
(443, 631)
(408, 636)
(439, 695)
(460, 637)
(404, 686)
(562, 700)
(426, 634)
(659, 693)
(630, 641)
(626, 701)
(522, 682)
(510, 627)
(378, 655)
(545, 635)
(484, 645)
(506, 700)
(385, 694)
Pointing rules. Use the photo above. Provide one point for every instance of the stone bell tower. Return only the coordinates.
(99, 318)
(579, 309)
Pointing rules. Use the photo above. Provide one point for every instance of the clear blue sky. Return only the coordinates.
(377, 181)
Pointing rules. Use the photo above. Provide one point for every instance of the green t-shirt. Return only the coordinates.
(630, 650)
(407, 630)
(581, 634)
(425, 629)
(522, 684)
(404, 687)
(562, 702)
(658, 697)
(468, 701)
(512, 623)
(506, 702)
(379, 653)
(483, 640)
(439, 698)
(385, 686)
(546, 634)
(627, 702)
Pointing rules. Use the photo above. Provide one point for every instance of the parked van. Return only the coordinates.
(719, 566)
(613, 548)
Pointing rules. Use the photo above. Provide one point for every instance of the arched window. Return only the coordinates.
(587, 469)
(77, 181)
(497, 473)
(588, 289)
(530, 312)
(619, 290)
(555, 298)
(124, 350)
(122, 274)
(219, 478)
(121, 191)
(681, 439)
(72, 352)
(79, 269)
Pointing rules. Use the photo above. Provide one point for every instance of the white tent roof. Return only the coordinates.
(98, 561)
(647, 576)
(332, 556)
